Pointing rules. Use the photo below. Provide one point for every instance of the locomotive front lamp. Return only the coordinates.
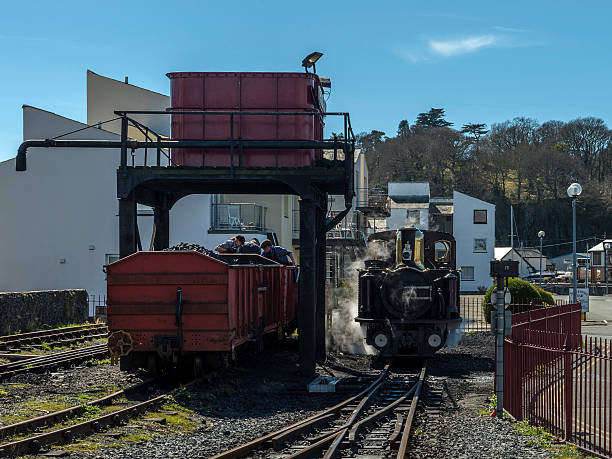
(310, 61)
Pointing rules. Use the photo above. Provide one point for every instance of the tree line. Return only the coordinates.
(520, 162)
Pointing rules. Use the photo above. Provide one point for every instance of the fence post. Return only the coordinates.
(569, 386)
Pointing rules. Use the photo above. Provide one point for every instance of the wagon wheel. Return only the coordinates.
(120, 344)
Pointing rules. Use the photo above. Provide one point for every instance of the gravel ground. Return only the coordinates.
(30, 395)
(464, 375)
(264, 393)
(259, 395)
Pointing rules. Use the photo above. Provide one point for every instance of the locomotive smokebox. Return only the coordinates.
(406, 293)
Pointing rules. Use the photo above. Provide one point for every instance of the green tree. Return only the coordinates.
(476, 130)
(403, 129)
(433, 118)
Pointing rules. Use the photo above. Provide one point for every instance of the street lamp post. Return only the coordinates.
(606, 248)
(541, 235)
(573, 191)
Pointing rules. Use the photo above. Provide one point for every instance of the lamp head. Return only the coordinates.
(607, 246)
(311, 59)
(574, 190)
(541, 234)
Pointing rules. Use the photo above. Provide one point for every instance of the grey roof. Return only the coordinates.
(409, 191)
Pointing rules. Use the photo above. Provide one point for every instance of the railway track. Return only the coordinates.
(375, 422)
(50, 361)
(55, 337)
(36, 440)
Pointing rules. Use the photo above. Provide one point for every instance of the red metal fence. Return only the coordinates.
(560, 380)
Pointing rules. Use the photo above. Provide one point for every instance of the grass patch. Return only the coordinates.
(45, 346)
(46, 405)
(181, 421)
(98, 362)
(80, 446)
(137, 438)
(539, 437)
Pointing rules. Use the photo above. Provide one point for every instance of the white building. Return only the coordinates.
(409, 202)
(59, 222)
(599, 267)
(474, 231)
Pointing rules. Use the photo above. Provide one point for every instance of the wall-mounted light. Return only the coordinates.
(92, 247)
(62, 261)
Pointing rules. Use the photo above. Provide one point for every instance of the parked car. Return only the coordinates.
(564, 276)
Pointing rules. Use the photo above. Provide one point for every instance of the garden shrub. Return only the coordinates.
(522, 292)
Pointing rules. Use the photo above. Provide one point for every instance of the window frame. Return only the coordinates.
(474, 250)
(108, 256)
(473, 274)
(486, 217)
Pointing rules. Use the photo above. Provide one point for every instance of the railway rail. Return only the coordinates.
(54, 337)
(50, 361)
(375, 422)
(33, 444)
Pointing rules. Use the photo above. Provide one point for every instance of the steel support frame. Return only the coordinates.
(161, 187)
(307, 317)
(321, 313)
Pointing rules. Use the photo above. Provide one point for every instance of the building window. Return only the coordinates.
(480, 245)
(111, 258)
(480, 217)
(467, 273)
(597, 258)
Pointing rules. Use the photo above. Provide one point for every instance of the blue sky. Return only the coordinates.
(483, 61)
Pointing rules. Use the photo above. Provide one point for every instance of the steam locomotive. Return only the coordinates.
(409, 292)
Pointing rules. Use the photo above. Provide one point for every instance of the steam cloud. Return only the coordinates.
(345, 334)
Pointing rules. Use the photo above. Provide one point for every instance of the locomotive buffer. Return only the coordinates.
(501, 322)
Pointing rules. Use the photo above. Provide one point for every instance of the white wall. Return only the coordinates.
(105, 95)
(399, 217)
(465, 231)
(66, 201)
(63, 203)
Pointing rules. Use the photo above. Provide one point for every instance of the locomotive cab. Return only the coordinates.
(409, 292)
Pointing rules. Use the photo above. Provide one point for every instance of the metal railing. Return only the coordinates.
(562, 382)
(238, 216)
(97, 306)
(348, 231)
(233, 142)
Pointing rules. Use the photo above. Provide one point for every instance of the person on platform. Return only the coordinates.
(231, 245)
(277, 253)
(251, 247)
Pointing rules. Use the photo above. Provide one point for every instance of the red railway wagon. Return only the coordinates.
(249, 92)
(185, 307)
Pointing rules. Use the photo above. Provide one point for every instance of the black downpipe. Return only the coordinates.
(179, 316)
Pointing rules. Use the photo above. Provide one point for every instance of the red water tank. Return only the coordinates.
(246, 92)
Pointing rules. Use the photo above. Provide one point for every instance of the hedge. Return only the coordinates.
(522, 292)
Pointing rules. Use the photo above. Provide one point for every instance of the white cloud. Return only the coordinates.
(462, 46)
(409, 55)
(508, 29)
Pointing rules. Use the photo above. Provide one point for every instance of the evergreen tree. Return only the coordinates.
(433, 118)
